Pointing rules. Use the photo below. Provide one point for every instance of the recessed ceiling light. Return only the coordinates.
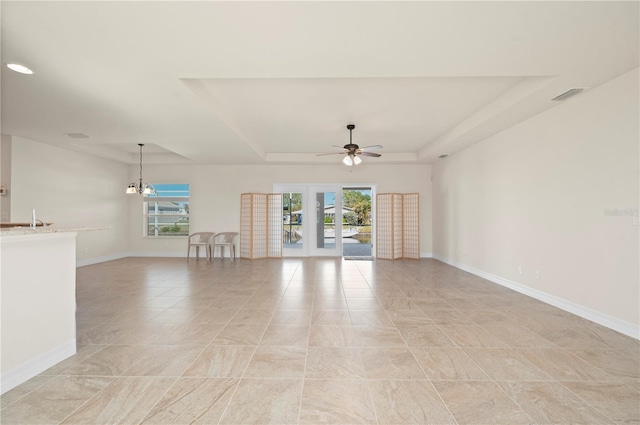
(19, 68)
(77, 135)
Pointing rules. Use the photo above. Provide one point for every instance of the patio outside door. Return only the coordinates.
(293, 242)
(312, 220)
(326, 230)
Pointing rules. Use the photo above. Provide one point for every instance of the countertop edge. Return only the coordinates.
(21, 231)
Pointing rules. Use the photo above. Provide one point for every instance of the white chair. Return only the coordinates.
(199, 239)
(225, 240)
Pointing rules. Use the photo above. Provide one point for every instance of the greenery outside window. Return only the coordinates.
(166, 211)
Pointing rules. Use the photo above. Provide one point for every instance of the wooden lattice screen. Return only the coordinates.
(384, 225)
(411, 228)
(261, 225)
(397, 226)
(275, 226)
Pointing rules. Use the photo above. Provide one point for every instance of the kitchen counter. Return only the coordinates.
(5, 224)
(26, 230)
(38, 287)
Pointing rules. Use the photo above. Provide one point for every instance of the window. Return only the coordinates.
(166, 211)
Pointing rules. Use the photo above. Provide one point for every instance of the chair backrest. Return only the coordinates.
(225, 237)
(200, 237)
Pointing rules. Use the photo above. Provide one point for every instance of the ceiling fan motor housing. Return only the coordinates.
(351, 147)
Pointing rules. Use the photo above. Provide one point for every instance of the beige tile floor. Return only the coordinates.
(325, 341)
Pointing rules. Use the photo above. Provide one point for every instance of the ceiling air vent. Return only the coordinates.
(443, 156)
(77, 135)
(569, 93)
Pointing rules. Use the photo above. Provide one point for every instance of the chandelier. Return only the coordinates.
(140, 187)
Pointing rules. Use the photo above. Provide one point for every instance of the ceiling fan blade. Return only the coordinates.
(376, 155)
(371, 148)
(353, 150)
(330, 153)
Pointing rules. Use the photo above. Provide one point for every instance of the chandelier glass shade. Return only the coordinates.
(140, 187)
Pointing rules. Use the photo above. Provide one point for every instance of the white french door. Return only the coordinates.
(325, 233)
(312, 217)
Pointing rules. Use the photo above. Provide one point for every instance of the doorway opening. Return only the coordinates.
(327, 220)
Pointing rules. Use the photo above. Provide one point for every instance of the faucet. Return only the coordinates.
(35, 221)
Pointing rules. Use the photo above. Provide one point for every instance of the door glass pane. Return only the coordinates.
(356, 222)
(325, 220)
(292, 220)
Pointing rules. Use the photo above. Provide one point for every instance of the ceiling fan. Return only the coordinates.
(352, 151)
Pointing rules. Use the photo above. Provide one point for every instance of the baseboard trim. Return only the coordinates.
(598, 317)
(146, 254)
(111, 257)
(168, 254)
(159, 254)
(103, 259)
(426, 255)
(35, 366)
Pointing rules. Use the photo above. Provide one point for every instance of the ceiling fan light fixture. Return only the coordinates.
(356, 160)
(347, 160)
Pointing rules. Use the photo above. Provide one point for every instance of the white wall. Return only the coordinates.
(71, 189)
(541, 195)
(5, 177)
(216, 190)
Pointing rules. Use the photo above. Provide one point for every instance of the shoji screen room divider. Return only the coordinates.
(261, 225)
(397, 226)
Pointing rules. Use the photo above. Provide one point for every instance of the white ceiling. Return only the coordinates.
(277, 82)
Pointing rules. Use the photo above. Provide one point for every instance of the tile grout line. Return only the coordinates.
(425, 373)
(359, 352)
(306, 357)
(241, 377)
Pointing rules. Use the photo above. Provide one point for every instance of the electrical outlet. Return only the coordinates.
(519, 269)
